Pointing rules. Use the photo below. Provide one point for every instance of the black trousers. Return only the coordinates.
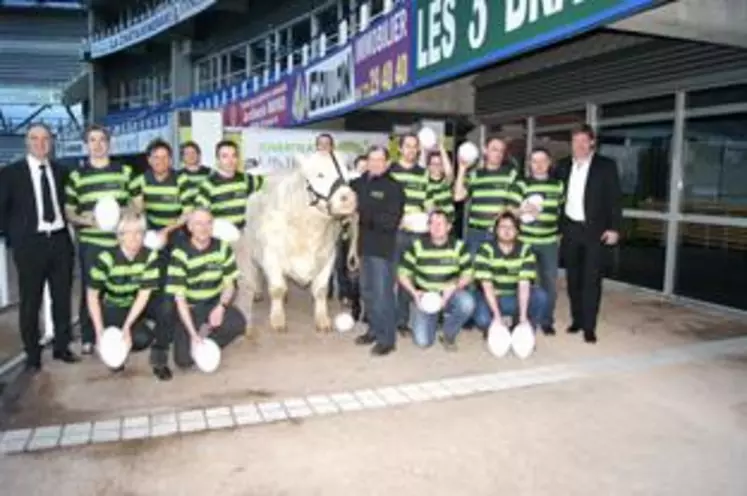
(233, 326)
(87, 255)
(40, 259)
(348, 283)
(585, 256)
(152, 329)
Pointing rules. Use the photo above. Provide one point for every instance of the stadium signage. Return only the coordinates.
(329, 85)
(456, 37)
(269, 108)
(163, 19)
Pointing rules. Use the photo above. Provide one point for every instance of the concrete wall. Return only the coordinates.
(714, 21)
(453, 98)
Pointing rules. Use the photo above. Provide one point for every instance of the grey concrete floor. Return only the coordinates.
(670, 429)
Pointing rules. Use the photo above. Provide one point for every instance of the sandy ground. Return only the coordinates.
(671, 430)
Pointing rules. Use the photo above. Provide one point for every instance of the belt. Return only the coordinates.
(49, 234)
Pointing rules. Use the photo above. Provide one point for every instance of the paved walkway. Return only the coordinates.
(657, 407)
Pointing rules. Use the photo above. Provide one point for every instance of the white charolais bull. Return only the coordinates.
(292, 228)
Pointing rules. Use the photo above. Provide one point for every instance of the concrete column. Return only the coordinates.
(314, 36)
(97, 92)
(182, 70)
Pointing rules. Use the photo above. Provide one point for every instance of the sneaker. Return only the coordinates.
(87, 349)
(449, 344)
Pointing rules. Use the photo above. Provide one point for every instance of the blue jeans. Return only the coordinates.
(475, 238)
(377, 289)
(509, 307)
(404, 241)
(547, 270)
(457, 312)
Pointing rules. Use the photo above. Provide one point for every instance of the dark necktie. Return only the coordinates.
(48, 212)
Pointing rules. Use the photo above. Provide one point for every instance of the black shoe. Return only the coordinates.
(548, 330)
(449, 344)
(573, 329)
(590, 337)
(163, 373)
(118, 370)
(364, 318)
(66, 356)
(404, 331)
(381, 350)
(33, 366)
(356, 311)
(365, 339)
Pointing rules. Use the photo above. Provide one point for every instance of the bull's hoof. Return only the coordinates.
(250, 332)
(323, 325)
(258, 297)
(280, 329)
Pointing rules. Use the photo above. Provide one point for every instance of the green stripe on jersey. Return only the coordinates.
(544, 229)
(414, 181)
(87, 185)
(119, 279)
(505, 270)
(201, 275)
(163, 200)
(226, 196)
(433, 267)
(491, 192)
(193, 179)
(438, 194)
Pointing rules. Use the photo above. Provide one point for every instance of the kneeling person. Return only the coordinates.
(506, 270)
(438, 264)
(202, 278)
(120, 293)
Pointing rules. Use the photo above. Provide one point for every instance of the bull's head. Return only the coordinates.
(327, 184)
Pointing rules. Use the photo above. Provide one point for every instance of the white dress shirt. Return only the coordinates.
(36, 172)
(574, 204)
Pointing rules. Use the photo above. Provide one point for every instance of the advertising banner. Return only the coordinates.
(269, 151)
(455, 37)
(325, 87)
(382, 56)
(269, 108)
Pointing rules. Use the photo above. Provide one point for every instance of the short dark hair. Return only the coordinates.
(190, 144)
(96, 128)
(378, 148)
(541, 149)
(431, 156)
(506, 215)
(440, 212)
(496, 138)
(404, 137)
(325, 135)
(39, 124)
(584, 129)
(359, 158)
(226, 143)
(158, 144)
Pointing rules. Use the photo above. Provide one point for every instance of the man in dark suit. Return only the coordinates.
(32, 215)
(590, 225)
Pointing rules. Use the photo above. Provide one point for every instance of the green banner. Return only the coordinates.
(455, 36)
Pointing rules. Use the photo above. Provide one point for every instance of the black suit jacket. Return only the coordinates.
(602, 197)
(18, 216)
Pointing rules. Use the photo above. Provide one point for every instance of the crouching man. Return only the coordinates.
(202, 278)
(438, 264)
(506, 270)
(123, 292)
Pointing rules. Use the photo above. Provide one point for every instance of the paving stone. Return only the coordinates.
(105, 435)
(392, 396)
(221, 422)
(369, 399)
(272, 411)
(135, 433)
(136, 422)
(414, 392)
(17, 434)
(107, 425)
(41, 443)
(223, 411)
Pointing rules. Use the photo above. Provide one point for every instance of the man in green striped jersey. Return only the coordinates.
(192, 170)
(225, 191)
(160, 192)
(490, 190)
(438, 264)
(542, 230)
(414, 180)
(97, 179)
(122, 292)
(438, 193)
(506, 270)
(202, 279)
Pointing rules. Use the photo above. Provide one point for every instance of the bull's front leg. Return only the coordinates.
(319, 288)
(247, 284)
(278, 289)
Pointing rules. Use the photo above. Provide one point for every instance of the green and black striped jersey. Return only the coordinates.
(433, 267)
(505, 270)
(193, 179)
(438, 195)
(119, 279)
(491, 192)
(201, 275)
(226, 196)
(87, 185)
(414, 181)
(544, 229)
(164, 201)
